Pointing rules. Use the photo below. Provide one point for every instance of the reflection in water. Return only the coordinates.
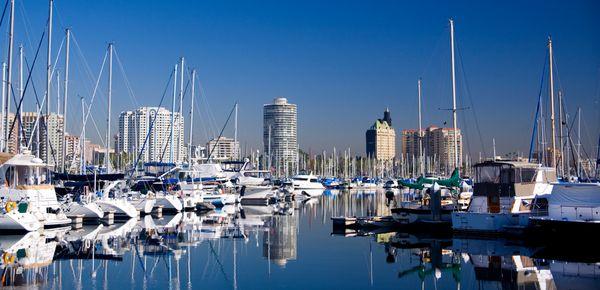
(280, 240)
(234, 247)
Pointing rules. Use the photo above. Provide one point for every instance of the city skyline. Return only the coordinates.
(340, 62)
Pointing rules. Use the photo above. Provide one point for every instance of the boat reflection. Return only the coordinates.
(238, 245)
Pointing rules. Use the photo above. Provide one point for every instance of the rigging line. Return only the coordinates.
(18, 107)
(212, 250)
(86, 66)
(537, 112)
(468, 90)
(211, 117)
(139, 155)
(89, 107)
(3, 13)
(127, 83)
(38, 123)
(221, 133)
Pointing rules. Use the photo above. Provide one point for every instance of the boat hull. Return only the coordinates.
(19, 222)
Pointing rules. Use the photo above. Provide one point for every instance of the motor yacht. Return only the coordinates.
(307, 181)
(24, 178)
(504, 195)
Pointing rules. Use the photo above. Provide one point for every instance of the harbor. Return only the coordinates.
(237, 245)
(298, 146)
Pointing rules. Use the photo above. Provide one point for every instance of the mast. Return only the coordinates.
(173, 113)
(553, 123)
(9, 74)
(4, 100)
(421, 155)
(82, 140)
(48, 79)
(579, 142)
(65, 99)
(108, 139)
(192, 117)
(180, 111)
(269, 148)
(235, 132)
(20, 124)
(455, 135)
(560, 134)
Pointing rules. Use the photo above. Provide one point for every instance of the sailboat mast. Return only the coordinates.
(20, 124)
(579, 142)
(235, 132)
(179, 139)
(173, 113)
(553, 123)
(560, 135)
(455, 135)
(421, 156)
(4, 101)
(9, 74)
(82, 139)
(65, 99)
(192, 117)
(108, 139)
(48, 79)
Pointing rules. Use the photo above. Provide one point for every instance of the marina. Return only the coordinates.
(235, 247)
(397, 158)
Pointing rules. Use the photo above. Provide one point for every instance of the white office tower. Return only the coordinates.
(135, 126)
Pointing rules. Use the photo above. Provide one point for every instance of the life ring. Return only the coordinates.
(8, 258)
(10, 206)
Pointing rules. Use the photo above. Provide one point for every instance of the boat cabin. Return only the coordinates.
(510, 185)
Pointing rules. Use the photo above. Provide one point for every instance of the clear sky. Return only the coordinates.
(342, 62)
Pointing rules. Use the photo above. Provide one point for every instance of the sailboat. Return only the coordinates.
(437, 210)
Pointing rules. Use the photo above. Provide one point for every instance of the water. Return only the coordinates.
(255, 248)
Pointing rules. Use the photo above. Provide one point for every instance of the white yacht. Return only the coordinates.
(16, 217)
(114, 199)
(504, 195)
(143, 203)
(256, 195)
(573, 209)
(307, 181)
(169, 202)
(82, 205)
(23, 178)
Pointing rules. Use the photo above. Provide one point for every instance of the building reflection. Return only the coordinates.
(280, 241)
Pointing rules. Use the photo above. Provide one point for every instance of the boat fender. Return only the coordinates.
(8, 258)
(10, 206)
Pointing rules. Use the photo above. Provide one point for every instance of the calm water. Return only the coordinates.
(290, 247)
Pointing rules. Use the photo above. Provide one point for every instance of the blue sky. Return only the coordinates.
(342, 62)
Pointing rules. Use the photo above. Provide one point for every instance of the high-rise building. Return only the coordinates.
(28, 136)
(381, 139)
(438, 146)
(280, 131)
(223, 148)
(53, 123)
(134, 127)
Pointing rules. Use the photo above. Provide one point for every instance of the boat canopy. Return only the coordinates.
(575, 195)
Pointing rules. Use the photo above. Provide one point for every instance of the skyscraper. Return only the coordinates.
(438, 146)
(280, 135)
(134, 126)
(381, 139)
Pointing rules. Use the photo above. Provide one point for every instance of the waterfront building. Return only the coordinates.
(31, 124)
(280, 137)
(381, 139)
(223, 148)
(134, 126)
(438, 147)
